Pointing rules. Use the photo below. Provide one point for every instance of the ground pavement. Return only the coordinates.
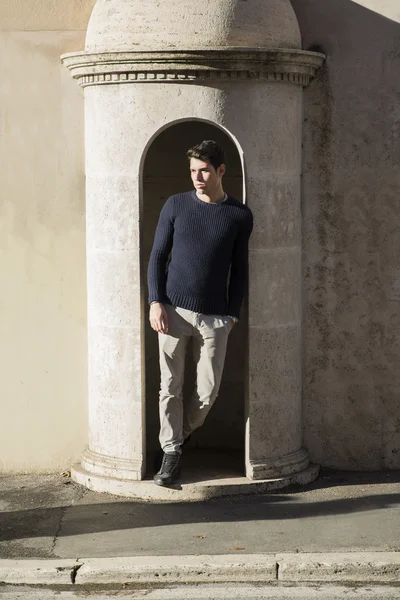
(344, 527)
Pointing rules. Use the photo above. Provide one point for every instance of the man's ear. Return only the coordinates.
(222, 170)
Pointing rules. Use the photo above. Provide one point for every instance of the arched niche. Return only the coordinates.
(165, 171)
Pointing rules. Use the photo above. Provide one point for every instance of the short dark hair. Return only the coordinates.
(208, 151)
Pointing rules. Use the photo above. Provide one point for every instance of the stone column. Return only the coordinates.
(274, 408)
(115, 293)
(124, 94)
(270, 132)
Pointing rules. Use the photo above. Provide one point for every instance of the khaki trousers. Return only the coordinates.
(210, 336)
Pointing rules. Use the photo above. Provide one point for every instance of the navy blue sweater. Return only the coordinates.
(205, 243)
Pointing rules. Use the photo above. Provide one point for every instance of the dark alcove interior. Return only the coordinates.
(166, 172)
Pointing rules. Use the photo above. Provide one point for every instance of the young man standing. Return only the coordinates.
(197, 278)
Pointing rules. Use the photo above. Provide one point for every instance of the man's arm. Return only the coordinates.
(239, 267)
(156, 272)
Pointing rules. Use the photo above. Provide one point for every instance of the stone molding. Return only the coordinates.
(110, 466)
(225, 64)
(197, 489)
(280, 467)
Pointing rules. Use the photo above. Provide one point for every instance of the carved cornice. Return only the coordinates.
(231, 64)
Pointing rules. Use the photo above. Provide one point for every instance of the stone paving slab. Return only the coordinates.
(325, 517)
(209, 592)
(177, 569)
(363, 567)
(31, 510)
(37, 572)
(338, 568)
(254, 568)
(50, 517)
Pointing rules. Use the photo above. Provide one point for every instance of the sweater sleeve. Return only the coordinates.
(239, 267)
(156, 272)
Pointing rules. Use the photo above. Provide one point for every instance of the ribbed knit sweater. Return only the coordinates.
(197, 248)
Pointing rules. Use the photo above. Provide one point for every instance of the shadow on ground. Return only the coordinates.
(333, 494)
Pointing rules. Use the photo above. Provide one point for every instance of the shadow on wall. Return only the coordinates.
(351, 219)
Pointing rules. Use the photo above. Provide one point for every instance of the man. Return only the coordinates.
(197, 278)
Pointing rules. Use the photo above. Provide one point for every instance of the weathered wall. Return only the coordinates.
(351, 220)
(43, 400)
(45, 15)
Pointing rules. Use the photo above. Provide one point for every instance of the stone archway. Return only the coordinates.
(165, 172)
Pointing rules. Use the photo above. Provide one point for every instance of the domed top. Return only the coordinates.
(145, 25)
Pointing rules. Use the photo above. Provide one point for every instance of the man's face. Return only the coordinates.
(206, 179)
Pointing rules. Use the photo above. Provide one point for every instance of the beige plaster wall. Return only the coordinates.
(45, 15)
(43, 400)
(385, 8)
(351, 223)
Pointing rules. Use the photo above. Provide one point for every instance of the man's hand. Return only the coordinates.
(234, 320)
(158, 317)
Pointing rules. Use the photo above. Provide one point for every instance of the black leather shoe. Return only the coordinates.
(170, 470)
(159, 455)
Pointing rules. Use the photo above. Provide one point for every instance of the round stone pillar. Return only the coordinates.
(146, 66)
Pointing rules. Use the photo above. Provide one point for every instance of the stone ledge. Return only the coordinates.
(231, 64)
(335, 568)
(369, 567)
(209, 487)
(38, 572)
(363, 567)
(178, 569)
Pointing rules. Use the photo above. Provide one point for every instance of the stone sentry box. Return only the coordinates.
(237, 66)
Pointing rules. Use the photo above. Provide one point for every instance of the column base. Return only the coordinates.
(108, 466)
(211, 477)
(287, 465)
